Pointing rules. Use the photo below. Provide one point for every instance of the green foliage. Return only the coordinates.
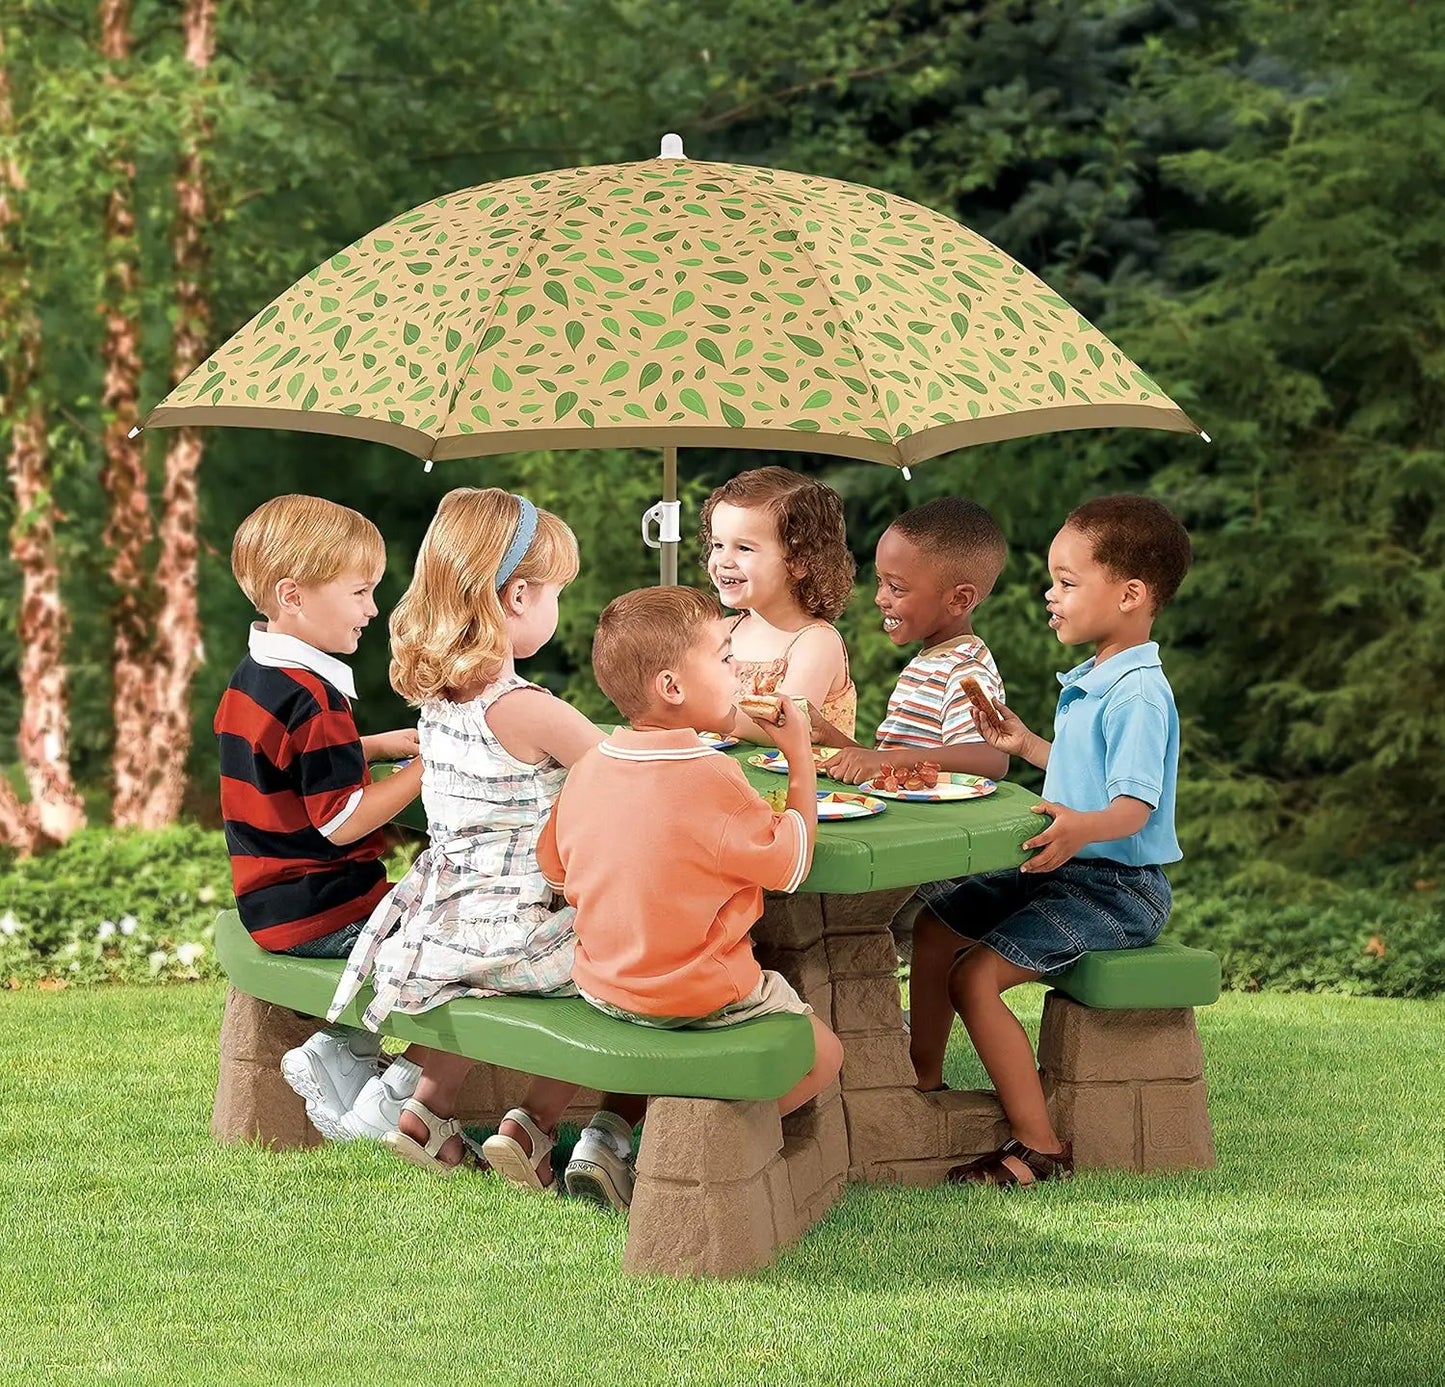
(1312, 938)
(116, 906)
(1243, 194)
(122, 907)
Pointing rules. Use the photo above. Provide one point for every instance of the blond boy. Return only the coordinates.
(302, 816)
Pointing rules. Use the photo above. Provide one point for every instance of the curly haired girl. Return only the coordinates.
(775, 549)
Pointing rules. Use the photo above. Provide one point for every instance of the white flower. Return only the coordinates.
(127, 924)
(9, 925)
(206, 895)
(187, 954)
(105, 929)
(158, 960)
(75, 967)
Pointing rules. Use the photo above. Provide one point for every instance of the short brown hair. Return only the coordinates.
(643, 633)
(1137, 537)
(809, 517)
(960, 536)
(306, 539)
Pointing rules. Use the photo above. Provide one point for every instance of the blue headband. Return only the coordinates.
(521, 541)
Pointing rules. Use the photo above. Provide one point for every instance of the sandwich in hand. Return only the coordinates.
(982, 704)
(763, 708)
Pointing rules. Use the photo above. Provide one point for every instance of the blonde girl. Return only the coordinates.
(473, 917)
(776, 550)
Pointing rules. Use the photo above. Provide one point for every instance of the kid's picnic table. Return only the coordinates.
(721, 1186)
(832, 941)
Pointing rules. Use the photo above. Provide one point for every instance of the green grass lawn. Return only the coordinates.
(136, 1250)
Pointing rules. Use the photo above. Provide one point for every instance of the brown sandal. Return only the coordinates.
(1015, 1164)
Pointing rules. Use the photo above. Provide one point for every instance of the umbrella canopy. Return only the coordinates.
(671, 303)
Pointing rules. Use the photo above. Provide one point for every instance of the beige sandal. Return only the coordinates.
(439, 1132)
(507, 1156)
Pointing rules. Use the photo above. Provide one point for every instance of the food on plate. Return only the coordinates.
(922, 776)
(982, 704)
(766, 708)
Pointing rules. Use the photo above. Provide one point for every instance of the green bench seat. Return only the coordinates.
(1157, 977)
(558, 1038)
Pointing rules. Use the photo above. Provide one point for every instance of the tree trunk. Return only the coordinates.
(129, 528)
(177, 648)
(55, 810)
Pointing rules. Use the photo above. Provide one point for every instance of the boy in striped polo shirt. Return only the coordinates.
(935, 564)
(302, 816)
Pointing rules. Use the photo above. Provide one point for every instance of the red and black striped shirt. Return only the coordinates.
(292, 771)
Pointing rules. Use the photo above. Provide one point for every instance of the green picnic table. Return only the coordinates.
(721, 1187)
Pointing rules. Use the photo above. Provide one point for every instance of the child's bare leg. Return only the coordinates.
(827, 1061)
(977, 984)
(544, 1102)
(630, 1107)
(930, 1018)
(442, 1076)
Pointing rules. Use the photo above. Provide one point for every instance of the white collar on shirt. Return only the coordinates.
(669, 744)
(272, 649)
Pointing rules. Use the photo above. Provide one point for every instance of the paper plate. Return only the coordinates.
(951, 786)
(835, 805)
(776, 761)
(717, 741)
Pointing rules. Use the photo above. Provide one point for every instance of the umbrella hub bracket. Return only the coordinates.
(667, 516)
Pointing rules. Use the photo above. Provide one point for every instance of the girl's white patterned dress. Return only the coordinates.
(473, 917)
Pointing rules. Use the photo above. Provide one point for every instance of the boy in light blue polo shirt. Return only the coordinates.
(1095, 880)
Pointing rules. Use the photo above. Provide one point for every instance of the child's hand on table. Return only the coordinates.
(855, 764)
(1059, 841)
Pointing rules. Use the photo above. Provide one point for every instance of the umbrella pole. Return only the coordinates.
(671, 510)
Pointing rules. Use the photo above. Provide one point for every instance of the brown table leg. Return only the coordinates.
(253, 1102)
(840, 955)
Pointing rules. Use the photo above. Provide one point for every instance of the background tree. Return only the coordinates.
(54, 808)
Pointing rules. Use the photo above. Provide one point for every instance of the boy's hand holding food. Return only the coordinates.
(855, 764)
(1003, 729)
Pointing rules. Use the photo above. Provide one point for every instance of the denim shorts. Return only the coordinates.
(1044, 921)
(337, 944)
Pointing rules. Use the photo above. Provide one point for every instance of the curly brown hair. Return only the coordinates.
(809, 517)
(1137, 537)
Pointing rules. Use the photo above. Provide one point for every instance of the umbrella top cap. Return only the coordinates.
(671, 147)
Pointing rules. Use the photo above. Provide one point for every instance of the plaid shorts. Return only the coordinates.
(772, 996)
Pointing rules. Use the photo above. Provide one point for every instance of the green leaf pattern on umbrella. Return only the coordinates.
(671, 293)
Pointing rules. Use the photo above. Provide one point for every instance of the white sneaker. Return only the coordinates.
(377, 1109)
(601, 1166)
(329, 1074)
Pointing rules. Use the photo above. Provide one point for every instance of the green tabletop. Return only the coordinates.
(909, 844)
(905, 845)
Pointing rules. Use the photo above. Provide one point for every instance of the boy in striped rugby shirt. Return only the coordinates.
(302, 816)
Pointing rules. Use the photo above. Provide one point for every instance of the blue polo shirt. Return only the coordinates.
(1116, 732)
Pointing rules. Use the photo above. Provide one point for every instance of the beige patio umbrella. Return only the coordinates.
(670, 303)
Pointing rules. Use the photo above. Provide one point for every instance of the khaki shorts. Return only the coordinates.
(772, 996)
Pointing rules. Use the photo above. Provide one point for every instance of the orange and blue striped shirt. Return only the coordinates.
(928, 706)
